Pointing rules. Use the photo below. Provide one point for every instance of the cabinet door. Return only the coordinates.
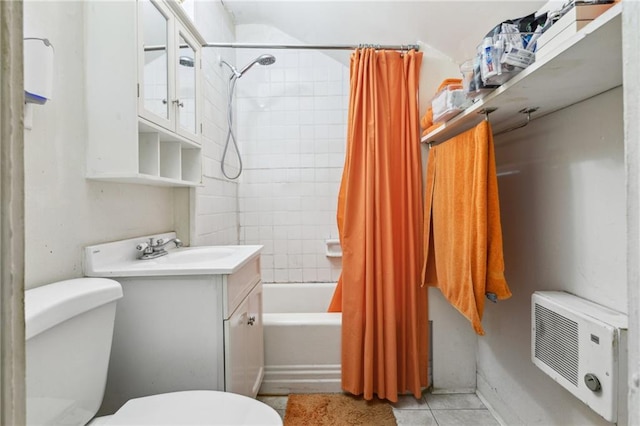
(155, 73)
(244, 346)
(235, 350)
(255, 342)
(187, 62)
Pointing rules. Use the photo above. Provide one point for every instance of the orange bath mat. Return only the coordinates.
(337, 409)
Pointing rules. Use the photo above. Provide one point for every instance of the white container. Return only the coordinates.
(38, 70)
(448, 103)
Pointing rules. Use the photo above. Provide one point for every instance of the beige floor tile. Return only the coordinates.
(414, 417)
(464, 418)
(408, 402)
(454, 401)
(276, 402)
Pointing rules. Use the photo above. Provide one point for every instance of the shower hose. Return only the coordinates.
(231, 137)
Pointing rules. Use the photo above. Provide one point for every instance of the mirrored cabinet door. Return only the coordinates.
(187, 62)
(155, 74)
(133, 124)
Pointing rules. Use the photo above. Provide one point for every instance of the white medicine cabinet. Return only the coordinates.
(143, 93)
(169, 59)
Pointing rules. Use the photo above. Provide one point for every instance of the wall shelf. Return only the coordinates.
(143, 179)
(588, 64)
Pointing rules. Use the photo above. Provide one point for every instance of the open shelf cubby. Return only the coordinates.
(169, 160)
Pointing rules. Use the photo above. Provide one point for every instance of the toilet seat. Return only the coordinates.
(195, 408)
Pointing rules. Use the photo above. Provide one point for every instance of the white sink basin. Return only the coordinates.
(120, 259)
(191, 255)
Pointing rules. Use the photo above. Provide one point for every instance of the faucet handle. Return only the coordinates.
(142, 246)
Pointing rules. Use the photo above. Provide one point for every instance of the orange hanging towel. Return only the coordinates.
(463, 235)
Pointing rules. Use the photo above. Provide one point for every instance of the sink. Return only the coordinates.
(192, 255)
(120, 259)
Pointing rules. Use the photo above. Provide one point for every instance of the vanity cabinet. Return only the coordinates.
(187, 332)
(143, 93)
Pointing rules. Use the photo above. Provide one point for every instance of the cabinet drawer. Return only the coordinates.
(239, 284)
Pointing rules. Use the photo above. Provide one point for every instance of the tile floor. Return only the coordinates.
(431, 410)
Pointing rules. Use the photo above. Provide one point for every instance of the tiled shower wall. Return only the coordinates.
(291, 126)
(215, 204)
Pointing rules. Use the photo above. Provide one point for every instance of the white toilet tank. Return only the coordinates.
(69, 328)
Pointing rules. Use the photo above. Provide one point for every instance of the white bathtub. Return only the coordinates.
(302, 340)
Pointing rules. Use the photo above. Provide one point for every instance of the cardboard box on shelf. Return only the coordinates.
(557, 36)
(572, 22)
(583, 12)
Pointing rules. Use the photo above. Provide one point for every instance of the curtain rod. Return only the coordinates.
(404, 47)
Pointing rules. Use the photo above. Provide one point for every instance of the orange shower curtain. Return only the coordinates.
(384, 308)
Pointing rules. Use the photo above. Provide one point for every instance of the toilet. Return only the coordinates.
(69, 328)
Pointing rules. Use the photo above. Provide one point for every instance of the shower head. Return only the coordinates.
(262, 60)
(266, 59)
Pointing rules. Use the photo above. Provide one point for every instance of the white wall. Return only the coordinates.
(64, 211)
(563, 206)
(454, 341)
(292, 129)
(215, 206)
(631, 68)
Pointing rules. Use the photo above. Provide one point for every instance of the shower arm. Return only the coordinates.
(233, 69)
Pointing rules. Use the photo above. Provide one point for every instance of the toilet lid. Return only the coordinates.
(195, 408)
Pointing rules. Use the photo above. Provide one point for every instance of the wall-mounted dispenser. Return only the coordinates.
(38, 70)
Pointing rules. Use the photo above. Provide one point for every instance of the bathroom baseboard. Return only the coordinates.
(483, 386)
(286, 379)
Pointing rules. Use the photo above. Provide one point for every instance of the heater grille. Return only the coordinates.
(556, 343)
(582, 346)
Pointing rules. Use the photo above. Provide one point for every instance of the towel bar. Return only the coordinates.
(527, 111)
(489, 110)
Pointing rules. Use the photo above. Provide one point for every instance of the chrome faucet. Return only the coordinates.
(154, 249)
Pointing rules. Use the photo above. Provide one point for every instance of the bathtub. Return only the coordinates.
(302, 340)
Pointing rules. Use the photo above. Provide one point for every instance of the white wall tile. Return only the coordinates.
(280, 275)
(295, 275)
(293, 155)
(216, 203)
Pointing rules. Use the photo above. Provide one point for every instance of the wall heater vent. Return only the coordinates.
(557, 343)
(582, 346)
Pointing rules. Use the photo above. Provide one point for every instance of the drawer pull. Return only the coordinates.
(252, 320)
